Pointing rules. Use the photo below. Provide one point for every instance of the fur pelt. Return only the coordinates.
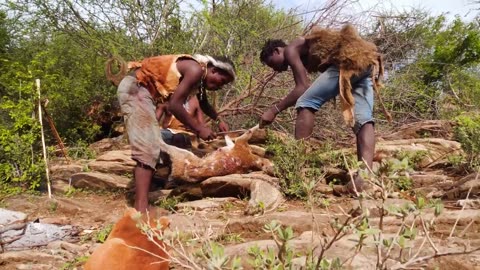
(128, 248)
(352, 55)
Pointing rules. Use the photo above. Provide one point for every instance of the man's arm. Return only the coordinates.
(192, 74)
(292, 56)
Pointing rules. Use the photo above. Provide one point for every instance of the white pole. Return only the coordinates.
(43, 139)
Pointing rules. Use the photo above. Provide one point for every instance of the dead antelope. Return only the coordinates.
(235, 157)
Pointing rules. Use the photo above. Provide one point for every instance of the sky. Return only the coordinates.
(435, 7)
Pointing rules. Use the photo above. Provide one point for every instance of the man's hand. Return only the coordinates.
(222, 126)
(206, 134)
(268, 117)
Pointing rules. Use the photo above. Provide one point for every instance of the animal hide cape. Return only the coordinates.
(352, 55)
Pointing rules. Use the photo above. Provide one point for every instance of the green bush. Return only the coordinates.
(467, 132)
(21, 162)
(295, 164)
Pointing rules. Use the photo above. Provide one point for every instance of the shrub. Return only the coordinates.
(21, 162)
(295, 164)
(467, 132)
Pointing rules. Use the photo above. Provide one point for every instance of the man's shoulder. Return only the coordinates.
(295, 49)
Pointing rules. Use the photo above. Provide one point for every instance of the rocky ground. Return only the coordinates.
(232, 210)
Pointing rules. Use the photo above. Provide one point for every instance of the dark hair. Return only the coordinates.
(269, 47)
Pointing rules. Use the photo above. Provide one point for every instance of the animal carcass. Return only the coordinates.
(235, 157)
(128, 248)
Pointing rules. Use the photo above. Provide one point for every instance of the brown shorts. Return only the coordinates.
(142, 126)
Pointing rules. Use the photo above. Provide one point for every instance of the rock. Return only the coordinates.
(460, 189)
(433, 151)
(422, 129)
(263, 189)
(205, 204)
(11, 236)
(196, 225)
(70, 247)
(324, 189)
(123, 156)
(63, 172)
(96, 180)
(436, 178)
(38, 234)
(60, 186)
(11, 220)
(37, 266)
(27, 255)
(428, 192)
(342, 249)
(373, 205)
(264, 197)
(55, 220)
(115, 167)
(300, 221)
(241, 250)
(66, 206)
(108, 144)
(157, 195)
(469, 204)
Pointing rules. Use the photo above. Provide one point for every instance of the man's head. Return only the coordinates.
(272, 54)
(220, 71)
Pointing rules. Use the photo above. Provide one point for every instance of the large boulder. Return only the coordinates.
(38, 234)
(96, 180)
(11, 220)
(469, 183)
(63, 172)
(431, 151)
(123, 156)
(264, 190)
(115, 167)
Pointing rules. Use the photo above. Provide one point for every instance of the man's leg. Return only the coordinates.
(363, 129)
(304, 123)
(324, 88)
(143, 177)
(143, 135)
(366, 144)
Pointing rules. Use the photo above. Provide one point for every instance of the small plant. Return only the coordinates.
(168, 203)
(228, 206)
(414, 158)
(52, 206)
(456, 160)
(231, 238)
(71, 191)
(73, 264)
(271, 259)
(395, 174)
(99, 236)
